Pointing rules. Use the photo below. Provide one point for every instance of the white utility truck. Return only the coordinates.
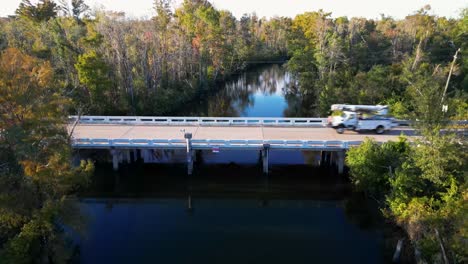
(361, 117)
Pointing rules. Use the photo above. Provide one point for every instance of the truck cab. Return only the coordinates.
(361, 117)
(347, 119)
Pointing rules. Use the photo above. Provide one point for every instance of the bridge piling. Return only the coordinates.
(322, 159)
(188, 140)
(340, 161)
(115, 159)
(325, 159)
(128, 159)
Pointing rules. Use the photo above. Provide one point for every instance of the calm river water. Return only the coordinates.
(231, 213)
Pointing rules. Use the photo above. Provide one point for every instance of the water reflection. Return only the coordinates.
(264, 91)
(156, 214)
(257, 93)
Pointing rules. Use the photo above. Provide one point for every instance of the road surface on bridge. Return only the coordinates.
(113, 131)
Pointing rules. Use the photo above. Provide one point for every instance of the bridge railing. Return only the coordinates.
(101, 143)
(219, 121)
(201, 121)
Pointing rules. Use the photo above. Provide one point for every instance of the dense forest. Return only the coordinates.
(361, 61)
(108, 64)
(60, 58)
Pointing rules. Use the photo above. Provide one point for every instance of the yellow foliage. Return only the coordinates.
(25, 89)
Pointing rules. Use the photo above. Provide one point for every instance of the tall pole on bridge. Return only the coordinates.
(188, 140)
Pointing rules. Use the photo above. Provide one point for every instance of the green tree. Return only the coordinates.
(36, 174)
(460, 39)
(43, 11)
(78, 8)
(162, 20)
(426, 193)
(428, 197)
(93, 72)
(372, 165)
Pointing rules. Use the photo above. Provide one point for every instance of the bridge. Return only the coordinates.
(125, 136)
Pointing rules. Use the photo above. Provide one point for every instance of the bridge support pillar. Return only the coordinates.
(128, 158)
(115, 159)
(137, 155)
(188, 139)
(323, 156)
(326, 160)
(265, 157)
(340, 161)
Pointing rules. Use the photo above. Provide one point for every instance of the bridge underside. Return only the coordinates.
(122, 139)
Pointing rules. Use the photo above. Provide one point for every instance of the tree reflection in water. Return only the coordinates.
(263, 91)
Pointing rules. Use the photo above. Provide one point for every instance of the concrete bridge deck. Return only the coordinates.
(162, 132)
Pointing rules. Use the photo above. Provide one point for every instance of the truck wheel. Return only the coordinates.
(380, 130)
(340, 129)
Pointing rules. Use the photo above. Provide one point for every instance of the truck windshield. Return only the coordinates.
(348, 116)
